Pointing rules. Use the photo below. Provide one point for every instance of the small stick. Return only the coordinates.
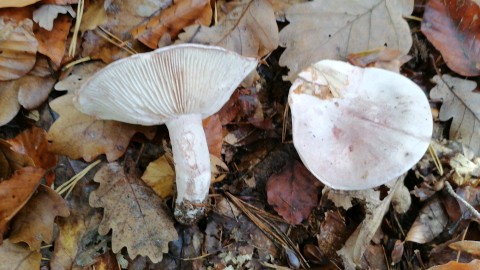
(472, 210)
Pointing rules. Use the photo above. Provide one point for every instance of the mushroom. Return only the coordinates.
(358, 128)
(177, 85)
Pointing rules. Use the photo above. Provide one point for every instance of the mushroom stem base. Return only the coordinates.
(188, 213)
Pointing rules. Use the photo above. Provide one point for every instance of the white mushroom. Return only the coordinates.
(177, 85)
(358, 128)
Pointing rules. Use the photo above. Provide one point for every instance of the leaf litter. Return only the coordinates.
(422, 221)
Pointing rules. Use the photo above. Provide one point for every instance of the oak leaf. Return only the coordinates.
(293, 192)
(74, 78)
(249, 29)
(473, 265)
(166, 25)
(18, 48)
(78, 135)
(321, 30)
(34, 223)
(452, 27)
(33, 143)
(10, 161)
(18, 256)
(461, 103)
(15, 192)
(137, 217)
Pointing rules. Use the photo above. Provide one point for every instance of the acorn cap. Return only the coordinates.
(357, 128)
(152, 88)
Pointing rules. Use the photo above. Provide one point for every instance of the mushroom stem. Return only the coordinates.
(192, 166)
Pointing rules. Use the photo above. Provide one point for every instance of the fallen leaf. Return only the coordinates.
(461, 103)
(46, 14)
(18, 48)
(15, 192)
(214, 134)
(160, 176)
(79, 135)
(53, 42)
(332, 233)
(452, 27)
(293, 193)
(11, 160)
(280, 6)
(17, 3)
(430, 222)
(385, 58)
(72, 80)
(321, 30)
(472, 247)
(33, 143)
(172, 20)
(358, 243)
(137, 217)
(473, 265)
(93, 16)
(35, 222)
(8, 101)
(18, 256)
(249, 29)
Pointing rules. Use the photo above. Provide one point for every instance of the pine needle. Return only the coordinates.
(70, 184)
(76, 30)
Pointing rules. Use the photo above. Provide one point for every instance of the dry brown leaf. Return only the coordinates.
(321, 30)
(18, 48)
(166, 25)
(11, 160)
(72, 80)
(214, 134)
(93, 16)
(356, 245)
(332, 233)
(15, 192)
(293, 193)
(34, 223)
(249, 29)
(461, 103)
(33, 143)
(430, 222)
(17, 3)
(137, 217)
(472, 247)
(82, 136)
(8, 101)
(46, 14)
(473, 265)
(53, 43)
(280, 6)
(18, 256)
(452, 27)
(160, 176)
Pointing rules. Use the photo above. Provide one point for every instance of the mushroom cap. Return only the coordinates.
(152, 88)
(357, 128)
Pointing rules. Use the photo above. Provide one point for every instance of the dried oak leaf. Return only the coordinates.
(33, 143)
(34, 223)
(72, 80)
(54, 42)
(293, 193)
(10, 161)
(473, 265)
(461, 103)
(452, 27)
(136, 215)
(249, 29)
(430, 222)
(321, 30)
(79, 135)
(18, 48)
(18, 256)
(15, 192)
(165, 26)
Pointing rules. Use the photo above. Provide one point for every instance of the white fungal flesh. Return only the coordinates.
(191, 158)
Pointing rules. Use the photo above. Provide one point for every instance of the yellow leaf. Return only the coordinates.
(160, 175)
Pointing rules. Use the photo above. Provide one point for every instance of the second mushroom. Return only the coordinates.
(179, 86)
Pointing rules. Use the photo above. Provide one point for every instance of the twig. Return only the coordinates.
(470, 208)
